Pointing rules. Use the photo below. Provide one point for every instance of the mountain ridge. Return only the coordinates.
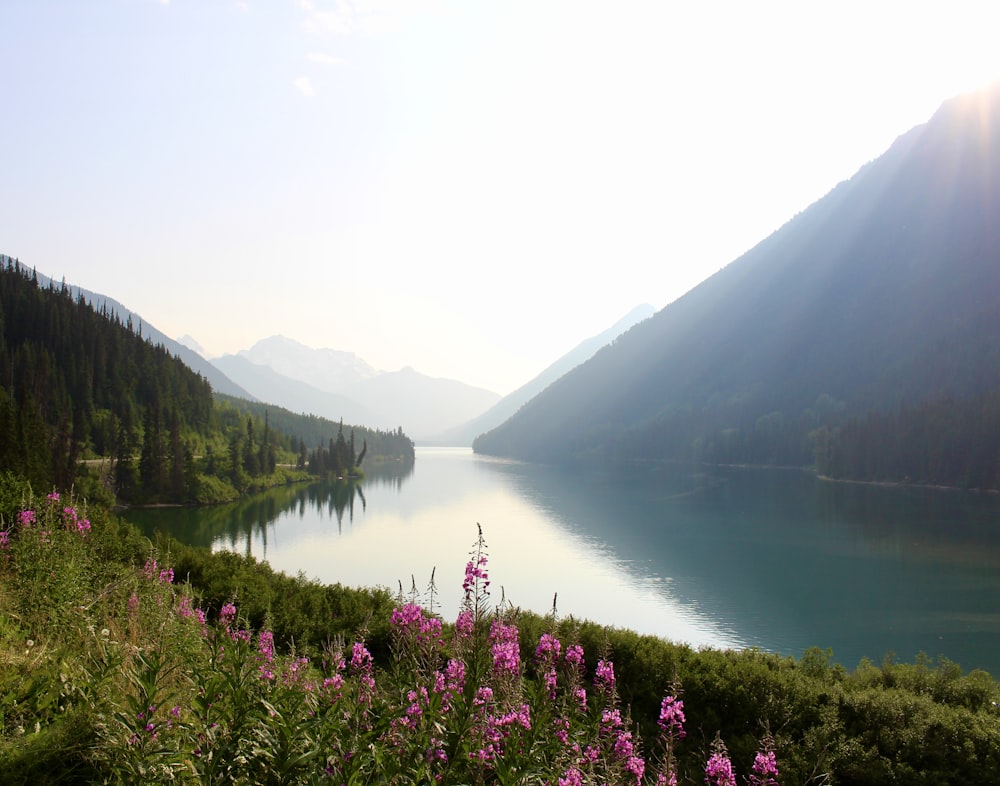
(508, 405)
(351, 388)
(882, 291)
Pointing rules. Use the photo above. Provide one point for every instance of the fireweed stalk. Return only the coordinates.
(719, 768)
(671, 723)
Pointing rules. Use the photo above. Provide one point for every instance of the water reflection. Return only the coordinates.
(772, 559)
(253, 519)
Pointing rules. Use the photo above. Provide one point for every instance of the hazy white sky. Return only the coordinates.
(468, 187)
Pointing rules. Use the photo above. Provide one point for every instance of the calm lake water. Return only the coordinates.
(738, 558)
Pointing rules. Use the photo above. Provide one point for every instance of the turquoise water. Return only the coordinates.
(765, 558)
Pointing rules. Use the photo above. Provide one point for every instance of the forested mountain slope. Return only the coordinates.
(77, 383)
(878, 301)
(102, 303)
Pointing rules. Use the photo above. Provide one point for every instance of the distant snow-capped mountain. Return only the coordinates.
(336, 384)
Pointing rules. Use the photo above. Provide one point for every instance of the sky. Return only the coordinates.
(467, 187)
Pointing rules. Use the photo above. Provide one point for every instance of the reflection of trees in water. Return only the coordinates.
(942, 523)
(391, 475)
(250, 519)
(240, 523)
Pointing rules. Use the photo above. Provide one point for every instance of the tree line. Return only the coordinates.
(944, 440)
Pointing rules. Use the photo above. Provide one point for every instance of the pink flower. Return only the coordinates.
(361, 664)
(226, 615)
(624, 747)
(672, 717)
(610, 719)
(637, 766)
(765, 767)
(464, 623)
(455, 672)
(604, 677)
(506, 653)
(573, 777)
(408, 615)
(474, 572)
(265, 645)
(719, 769)
(548, 648)
(550, 679)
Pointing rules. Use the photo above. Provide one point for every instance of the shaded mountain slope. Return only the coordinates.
(508, 405)
(884, 291)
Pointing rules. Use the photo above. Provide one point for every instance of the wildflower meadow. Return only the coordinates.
(117, 665)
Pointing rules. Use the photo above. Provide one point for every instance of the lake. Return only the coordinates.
(773, 559)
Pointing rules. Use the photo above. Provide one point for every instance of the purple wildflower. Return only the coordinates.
(265, 645)
(484, 695)
(549, 648)
(637, 766)
(672, 717)
(765, 767)
(477, 577)
(573, 777)
(454, 672)
(719, 769)
(464, 624)
(407, 616)
(226, 614)
(604, 677)
(506, 653)
(361, 664)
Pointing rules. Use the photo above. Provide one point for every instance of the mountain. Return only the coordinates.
(882, 297)
(191, 343)
(295, 395)
(423, 405)
(336, 384)
(219, 381)
(325, 369)
(508, 405)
